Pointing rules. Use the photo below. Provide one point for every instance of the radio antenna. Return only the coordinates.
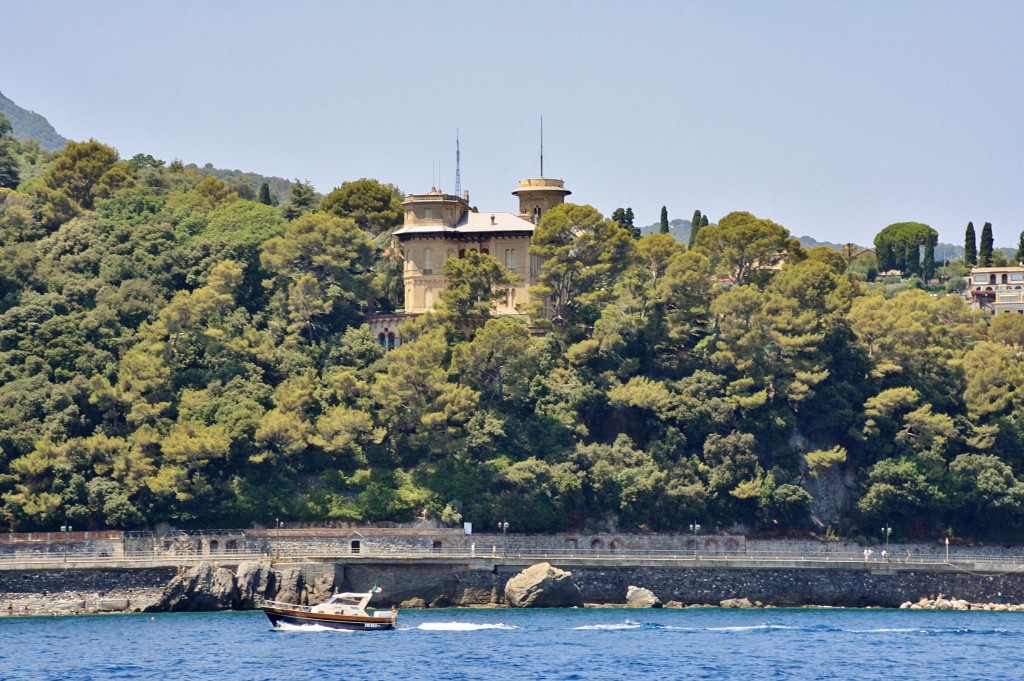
(542, 146)
(458, 175)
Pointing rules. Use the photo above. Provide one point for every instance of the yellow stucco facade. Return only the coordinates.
(439, 226)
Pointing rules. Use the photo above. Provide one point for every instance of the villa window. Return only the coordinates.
(428, 261)
(510, 259)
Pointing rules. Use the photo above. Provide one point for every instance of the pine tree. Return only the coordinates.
(1019, 257)
(302, 200)
(985, 248)
(694, 228)
(264, 196)
(664, 220)
(970, 246)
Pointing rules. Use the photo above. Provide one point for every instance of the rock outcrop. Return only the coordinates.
(322, 588)
(543, 586)
(736, 603)
(639, 597)
(255, 581)
(200, 588)
(290, 586)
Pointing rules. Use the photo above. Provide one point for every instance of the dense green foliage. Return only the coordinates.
(172, 351)
(898, 247)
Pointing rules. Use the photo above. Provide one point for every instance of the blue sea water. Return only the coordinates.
(525, 644)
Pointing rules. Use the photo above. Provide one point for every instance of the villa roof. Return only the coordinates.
(473, 223)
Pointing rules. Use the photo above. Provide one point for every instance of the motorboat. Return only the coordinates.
(346, 610)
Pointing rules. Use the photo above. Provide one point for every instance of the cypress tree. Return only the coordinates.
(929, 258)
(664, 220)
(970, 246)
(694, 228)
(264, 196)
(1019, 257)
(912, 259)
(985, 248)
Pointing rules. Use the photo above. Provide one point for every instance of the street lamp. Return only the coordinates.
(695, 528)
(886, 531)
(504, 538)
(65, 530)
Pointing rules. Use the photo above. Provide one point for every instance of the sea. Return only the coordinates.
(619, 644)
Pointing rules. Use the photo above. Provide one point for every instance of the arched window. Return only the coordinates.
(382, 340)
(428, 261)
(356, 546)
(214, 546)
(391, 341)
(462, 252)
(536, 214)
(485, 251)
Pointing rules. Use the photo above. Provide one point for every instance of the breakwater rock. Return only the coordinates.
(543, 586)
(941, 603)
(639, 597)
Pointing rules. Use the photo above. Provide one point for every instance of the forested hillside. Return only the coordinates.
(171, 351)
(28, 125)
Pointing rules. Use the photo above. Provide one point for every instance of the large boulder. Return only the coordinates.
(200, 588)
(736, 603)
(543, 586)
(255, 581)
(639, 597)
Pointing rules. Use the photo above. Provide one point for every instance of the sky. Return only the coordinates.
(834, 119)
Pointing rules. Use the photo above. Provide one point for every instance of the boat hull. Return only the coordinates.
(279, 616)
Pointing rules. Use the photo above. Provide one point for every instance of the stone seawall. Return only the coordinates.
(791, 588)
(35, 592)
(456, 584)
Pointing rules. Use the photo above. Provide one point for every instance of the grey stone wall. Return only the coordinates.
(106, 580)
(847, 588)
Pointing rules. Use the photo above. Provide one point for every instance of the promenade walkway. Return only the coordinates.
(960, 561)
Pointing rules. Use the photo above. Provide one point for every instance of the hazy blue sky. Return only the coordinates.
(834, 119)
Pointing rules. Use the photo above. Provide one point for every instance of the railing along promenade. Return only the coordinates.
(515, 558)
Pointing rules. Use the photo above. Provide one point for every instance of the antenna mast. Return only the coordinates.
(458, 176)
(542, 146)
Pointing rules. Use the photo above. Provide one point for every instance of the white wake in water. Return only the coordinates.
(628, 624)
(461, 626)
(306, 628)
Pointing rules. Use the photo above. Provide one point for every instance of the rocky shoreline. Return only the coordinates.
(208, 587)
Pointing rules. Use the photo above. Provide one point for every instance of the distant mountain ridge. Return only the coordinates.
(29, 125)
